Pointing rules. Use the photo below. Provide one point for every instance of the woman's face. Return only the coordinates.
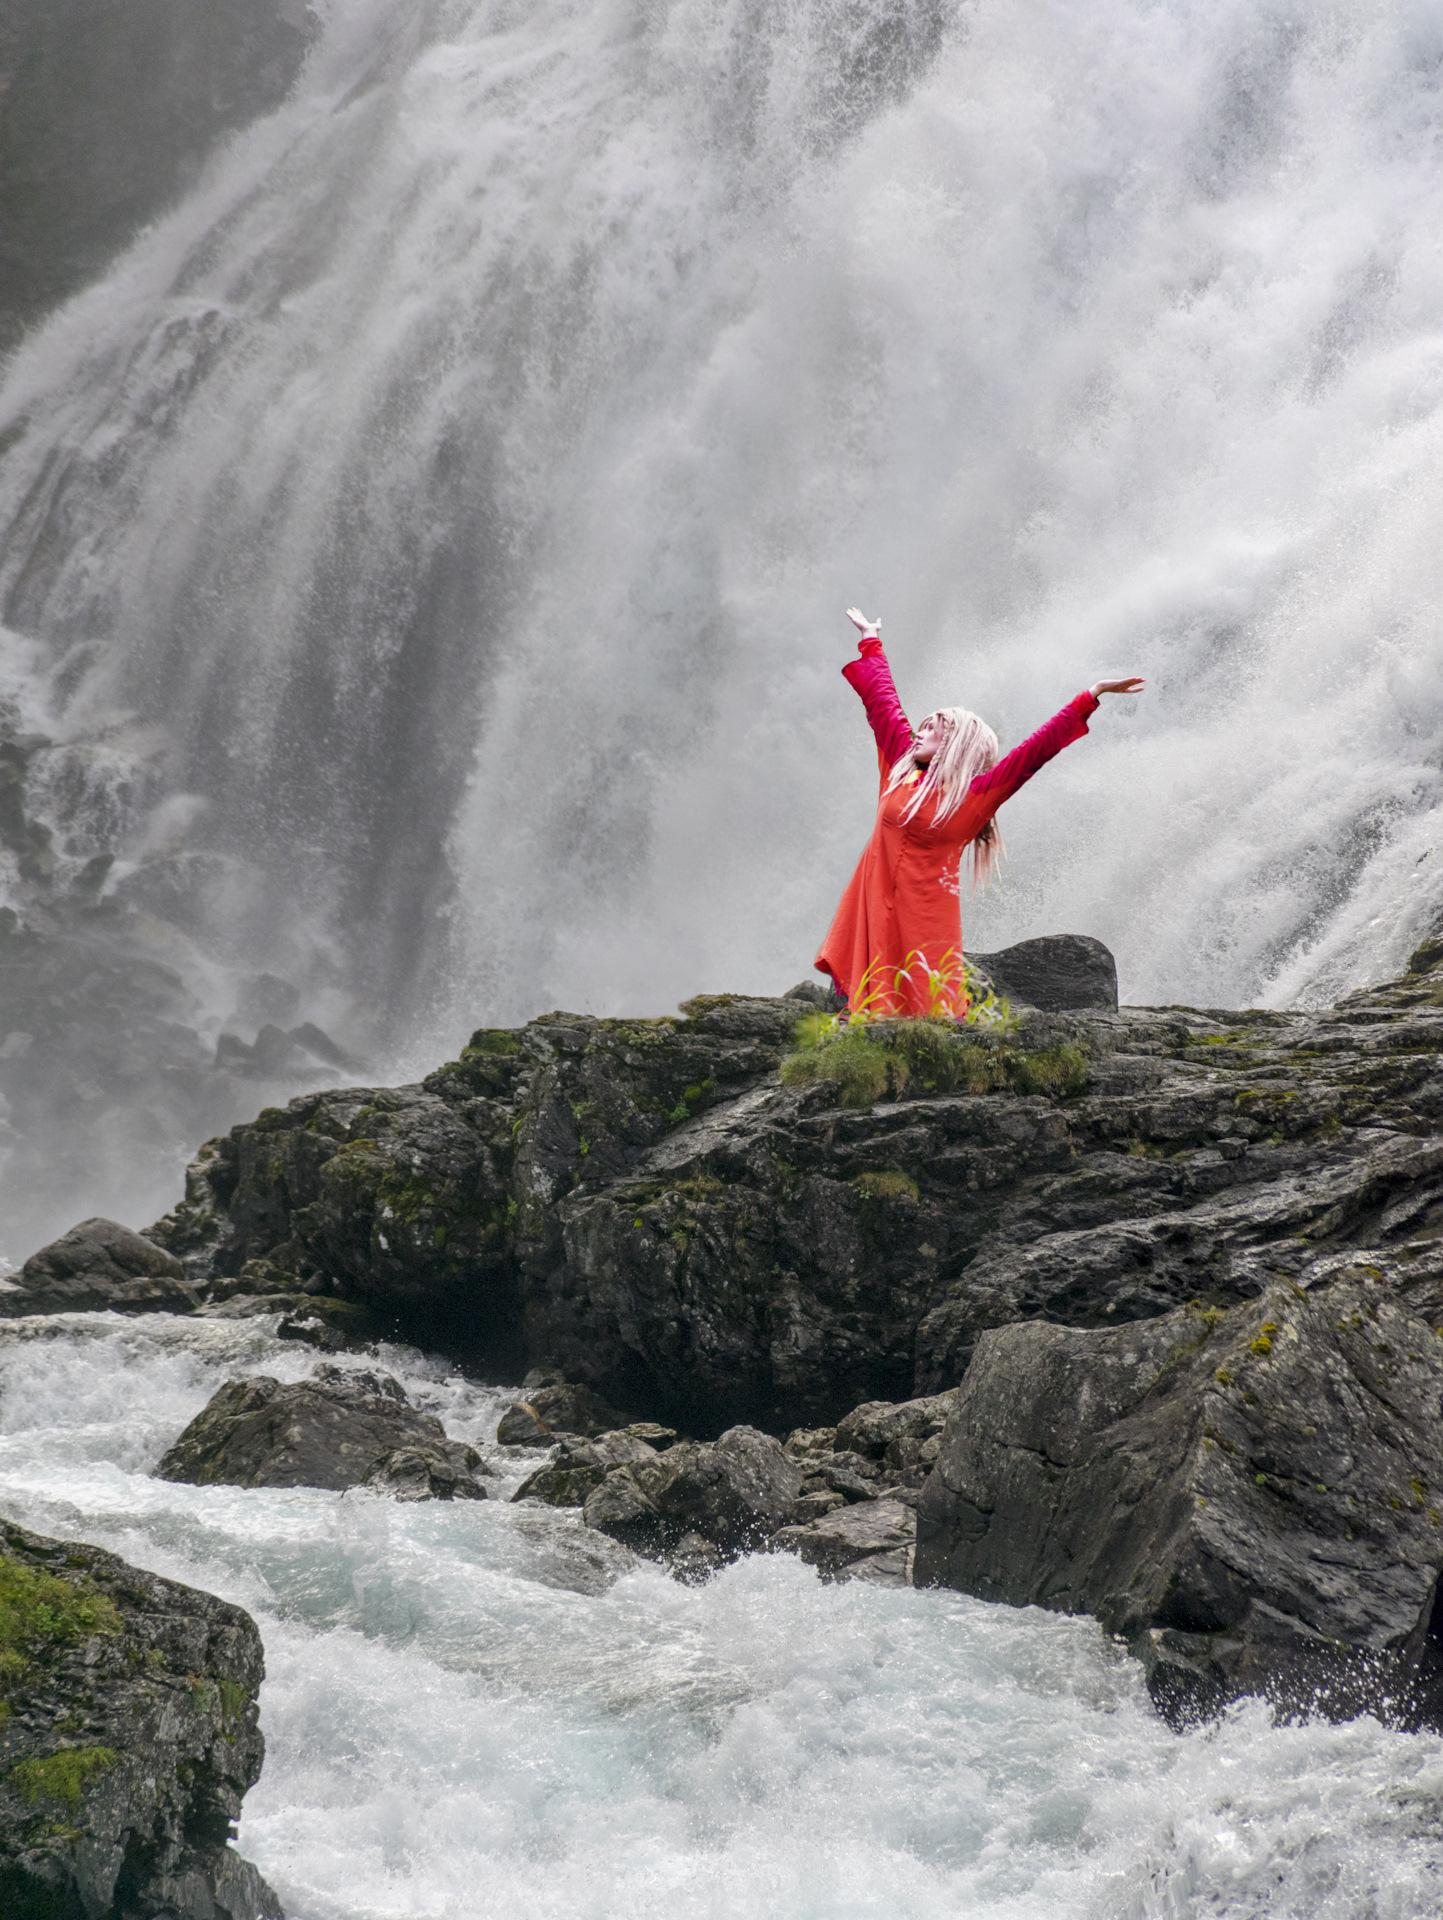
(930, 736)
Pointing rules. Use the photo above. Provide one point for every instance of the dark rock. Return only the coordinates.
(522, 1426)
(99, 1265)
(873, 1429)
(317, 1042)
(557, 1409)
(658, 1438)
(847, 1535)
(335, 1326)
(328, 1431)
(729, 1249)
(1251, 1499)
(734, 1492)
(578, 1466)
(444, 1471)
(1060, 973)
(129, 1740)
(693, 1560)
(273, 1053)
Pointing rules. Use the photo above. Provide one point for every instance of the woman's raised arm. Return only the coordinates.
(872, 678)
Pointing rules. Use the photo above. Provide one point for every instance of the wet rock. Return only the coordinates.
(129, 1740)
(693, 1560)
(329, 1431)
(335, 1326)
(578, 1466)
(1060, 973)
(734, 1492)
(1253, 1499)
(839, 1540)
(96, 1265)
(445, 1471)
(561, 1408)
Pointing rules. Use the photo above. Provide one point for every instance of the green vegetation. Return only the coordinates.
(61, 1776)
(38, 1608)
(885, 1186)
(874, 1060)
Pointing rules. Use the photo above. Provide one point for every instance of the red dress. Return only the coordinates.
(895, 944)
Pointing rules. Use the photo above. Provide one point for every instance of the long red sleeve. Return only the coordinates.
(872, 678)
(1016, 768)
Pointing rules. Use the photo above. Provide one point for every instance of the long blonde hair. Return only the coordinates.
(969, 747)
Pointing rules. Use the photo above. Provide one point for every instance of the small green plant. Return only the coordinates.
(61, 1776)
(885, 1186)
(873, 1059)
(37, 1607)
(1059, 1071)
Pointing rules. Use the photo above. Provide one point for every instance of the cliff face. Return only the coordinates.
(645, 1206)
(110, 108)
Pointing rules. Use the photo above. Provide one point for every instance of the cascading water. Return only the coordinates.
(478, 1709)
(468, 479)
(426, 552)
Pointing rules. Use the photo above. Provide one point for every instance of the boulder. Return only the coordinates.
(838, 1542)
(329, 1431)
(874, 1429)
(1253, 1499)
(444, 1471)
(96, 1265)
(1061, 972)
(734, 1492)
(578, 1466)
(563, 1408)
(130, 1738)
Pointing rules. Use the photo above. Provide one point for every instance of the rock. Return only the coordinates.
(1253, 1499)
(521, 1426)
(1060, 973)
(728, 1249)
(734, 1492)
(99, 1265)
(556, 1409)
(838, 1540)
(873, 1429)
(656, 1437)
(129, 1740)
(577, 1466)
(335, 1326)
(693, 1560)
(446, 1471)
(329, 1431)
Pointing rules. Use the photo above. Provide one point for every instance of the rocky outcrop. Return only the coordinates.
(335, 1430)
(128, 1739)
(96, 1265)
(733, 1494)
(644, 1206)
(1253, 1499)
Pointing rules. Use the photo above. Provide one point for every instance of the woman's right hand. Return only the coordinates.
(1134, 685)
(870, 629)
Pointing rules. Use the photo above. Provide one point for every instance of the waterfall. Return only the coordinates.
(428, 544)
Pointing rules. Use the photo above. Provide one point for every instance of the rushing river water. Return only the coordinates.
(477, 1710)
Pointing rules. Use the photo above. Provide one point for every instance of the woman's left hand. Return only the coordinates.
(1135, 685)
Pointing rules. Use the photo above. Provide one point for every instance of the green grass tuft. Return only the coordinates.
(61, 1776)
(39, 1609)
(885, 1186)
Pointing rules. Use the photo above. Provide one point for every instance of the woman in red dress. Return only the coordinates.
(895, 946)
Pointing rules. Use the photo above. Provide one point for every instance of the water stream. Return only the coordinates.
(481, 1708)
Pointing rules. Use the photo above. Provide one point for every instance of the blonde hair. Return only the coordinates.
(969, 748)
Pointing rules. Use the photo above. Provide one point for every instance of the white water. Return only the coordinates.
(470, 476)
(476, 1710)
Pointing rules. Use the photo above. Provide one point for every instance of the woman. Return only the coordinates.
(895, 946)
